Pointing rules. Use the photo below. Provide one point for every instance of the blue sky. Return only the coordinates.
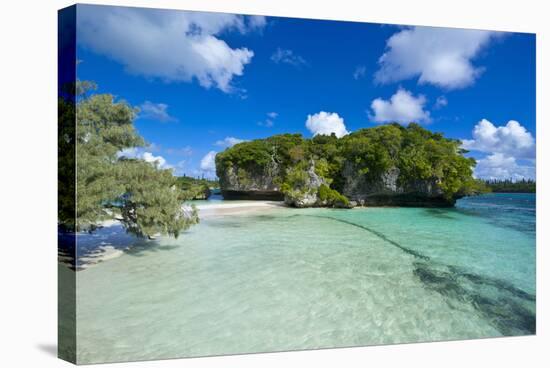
(205, 81)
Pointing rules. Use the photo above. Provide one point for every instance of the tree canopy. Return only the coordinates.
(141, 195)
(418, 153)
(194, 188)
(512, 186)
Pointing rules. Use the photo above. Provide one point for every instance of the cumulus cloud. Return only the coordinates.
(326, 123)
(229, 142)
(155, 111)
(287, 57)
(208, 163)
(139, 153)
(512, 139)
(170, 45)
(438, 56)
(401, 108)
(510, 150)
(157, 160)
(499, 166)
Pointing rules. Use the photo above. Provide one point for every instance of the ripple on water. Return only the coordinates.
(303, 279)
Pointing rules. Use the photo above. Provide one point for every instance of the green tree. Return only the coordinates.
(418, 154)
(512, 186)
(140, 194)
(193, 188)
(66, 155)
(151, 202)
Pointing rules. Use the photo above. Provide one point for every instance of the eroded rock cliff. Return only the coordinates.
(387, 165)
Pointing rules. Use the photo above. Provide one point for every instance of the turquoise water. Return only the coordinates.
(290, 279)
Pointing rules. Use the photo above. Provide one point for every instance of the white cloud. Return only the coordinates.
(510, 150)
(441, 102)
(208, 163)
(438, 56)
(229, 142)
(133, 152)
(288, 57)
(401, 108)
(499, 166)
(155, 111)
(179, 168)
(140, 154)
(512, 139)
(360, 72)
(156, 160)
(257, 22)
(269, 122)
(326, 123)
(169, 45)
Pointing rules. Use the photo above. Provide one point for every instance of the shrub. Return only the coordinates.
(332, 197)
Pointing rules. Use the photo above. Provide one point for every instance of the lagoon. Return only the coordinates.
(277, 279)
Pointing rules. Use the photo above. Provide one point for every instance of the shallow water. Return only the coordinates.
(311, 278)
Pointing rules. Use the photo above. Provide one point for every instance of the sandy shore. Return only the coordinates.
(236, 208)
(222, 208)
(105, 252)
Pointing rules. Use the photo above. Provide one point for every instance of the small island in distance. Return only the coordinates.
(384, 165)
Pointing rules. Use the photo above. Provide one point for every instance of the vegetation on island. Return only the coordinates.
(140, 194)
(511, 186)
(417, 153)
(195, 188)
(332, 197)
(483, 186)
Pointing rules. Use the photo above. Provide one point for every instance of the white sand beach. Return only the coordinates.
(236, 208)
(106, 251)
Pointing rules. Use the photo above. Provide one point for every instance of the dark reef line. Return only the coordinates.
(503, 305)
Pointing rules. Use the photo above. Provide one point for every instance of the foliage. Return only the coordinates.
(297, 176)
(192, 188)
(372, 151)
(151, 203)
(478, 186)
(136, 192)
(66, 162)
(418, 153)
(254, 156)
(332, 197)
(510, 186)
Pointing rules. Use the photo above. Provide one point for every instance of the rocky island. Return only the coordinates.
(388, 165)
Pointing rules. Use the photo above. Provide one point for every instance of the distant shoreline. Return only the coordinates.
(515, 192)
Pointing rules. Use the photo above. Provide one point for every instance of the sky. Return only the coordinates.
(206, 81)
